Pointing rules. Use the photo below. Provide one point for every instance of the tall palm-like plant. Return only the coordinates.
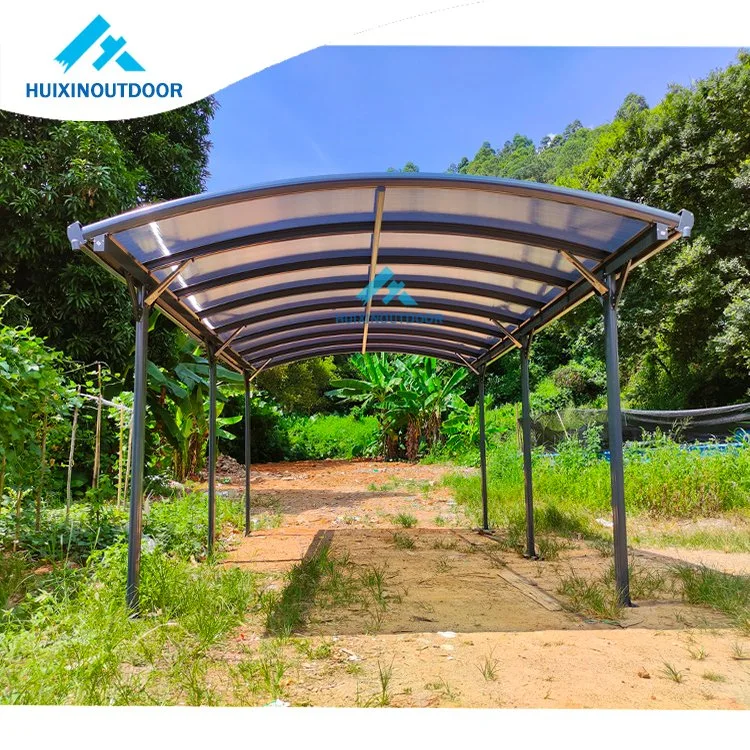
(179, 402)
(378, 382)
(410, 397)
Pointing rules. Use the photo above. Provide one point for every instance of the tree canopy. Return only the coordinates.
(52, 173)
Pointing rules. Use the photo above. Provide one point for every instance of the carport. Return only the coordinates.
(465, 269)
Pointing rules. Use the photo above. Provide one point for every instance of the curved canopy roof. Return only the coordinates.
(451, 266)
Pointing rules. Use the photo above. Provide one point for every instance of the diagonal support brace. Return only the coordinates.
(164, 284)
(590, 277)
(467, 363)
(259, 370)
(509, 335)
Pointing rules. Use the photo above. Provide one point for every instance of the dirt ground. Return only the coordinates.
(458, 618)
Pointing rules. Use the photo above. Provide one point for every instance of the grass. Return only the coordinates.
(443, 688)
(549, 547)
(324, 583)
(726, 593)
(72, 639)
(713, 677)
(593, 598)
(403, 541)
(406, 520)
(671, 673)
(332, 436)
(724, 540)
(697, 652)
(286, 613)
(385, 674)
(573, 488)
(488, 667)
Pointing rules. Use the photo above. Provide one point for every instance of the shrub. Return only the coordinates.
(332, 436)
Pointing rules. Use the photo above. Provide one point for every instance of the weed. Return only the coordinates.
(316, 653)
(442, 566)
(440, 521)
(645, 583)
(590, 597)
(488, 667)
(447, 544)
(697, 652)
(384, 674)
(671, 673)
(403, 541)
(287, 612)
(726, 593)
(550, 547)
(443, 688)
(406, 520)
(272, 669)
(738, 652)
(713, 677)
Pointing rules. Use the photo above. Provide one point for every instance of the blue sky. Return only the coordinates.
(362, 109)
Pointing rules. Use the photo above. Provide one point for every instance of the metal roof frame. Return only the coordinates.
(485, 262)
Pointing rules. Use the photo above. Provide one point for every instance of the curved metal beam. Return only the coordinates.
(256, 343)
(493, 185)
(327, 351)
(388, 257)
(340, 306)
(354, 284)
(326, 320)
(300, 230)
(396, 339)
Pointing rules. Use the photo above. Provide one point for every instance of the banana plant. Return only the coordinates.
(179, 403)
(410, 397)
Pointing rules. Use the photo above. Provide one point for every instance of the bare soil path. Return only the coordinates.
(445, 616)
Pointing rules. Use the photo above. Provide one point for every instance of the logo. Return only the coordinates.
(110, 47)
(107, 49)
(395, 289)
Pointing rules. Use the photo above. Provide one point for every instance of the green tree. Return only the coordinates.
(52, 173)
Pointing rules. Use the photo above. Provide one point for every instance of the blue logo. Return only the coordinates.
(394, 289)
(110, 46)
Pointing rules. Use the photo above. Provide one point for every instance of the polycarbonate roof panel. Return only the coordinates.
(460, 264)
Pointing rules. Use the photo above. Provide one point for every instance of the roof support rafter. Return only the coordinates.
(257, 343)
(416, 285)
(374, 245)
(390, 256)
(620, 288)
(344, 307)
(324, 319)
(353, 337)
